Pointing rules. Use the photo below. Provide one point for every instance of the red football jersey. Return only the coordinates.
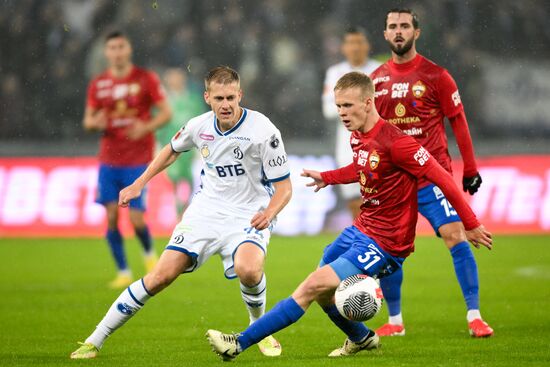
(416, 96)
(387, 163)
(125, 100)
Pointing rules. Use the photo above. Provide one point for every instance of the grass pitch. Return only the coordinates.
(54, 293)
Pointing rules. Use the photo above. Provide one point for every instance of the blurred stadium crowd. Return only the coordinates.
(50, 49)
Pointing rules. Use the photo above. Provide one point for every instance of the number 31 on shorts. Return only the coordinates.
(370, 257)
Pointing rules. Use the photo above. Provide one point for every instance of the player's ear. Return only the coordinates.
(240, 95)
(416, 34)
(207, 97)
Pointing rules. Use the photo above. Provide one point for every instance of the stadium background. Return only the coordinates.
(54, 289)
(496, 50)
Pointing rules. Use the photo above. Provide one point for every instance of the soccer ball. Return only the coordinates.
(358, 298)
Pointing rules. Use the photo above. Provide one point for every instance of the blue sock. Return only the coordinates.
(356, 331)
(145, 238)
(391, 287)
(283, 314)
(116, 243)
(466, 272)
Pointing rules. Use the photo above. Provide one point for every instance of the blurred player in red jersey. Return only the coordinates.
(416, 95)
(387, 163)
(119, 105)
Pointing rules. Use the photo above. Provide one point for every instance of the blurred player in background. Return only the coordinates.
(387, 163)
(245, 184)
(185, 104)
(416, 95)
(119, 106)
(355, 48)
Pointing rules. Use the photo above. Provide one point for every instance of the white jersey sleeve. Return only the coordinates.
(274, 157)
(184, 138)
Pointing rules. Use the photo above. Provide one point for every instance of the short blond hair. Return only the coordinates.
(356, 79)
(222, 75)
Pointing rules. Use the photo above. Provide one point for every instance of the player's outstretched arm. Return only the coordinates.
(166, 157)
(317, 182)
(281, 197)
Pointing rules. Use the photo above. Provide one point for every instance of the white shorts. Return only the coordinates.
(203, 233)
(344, 156)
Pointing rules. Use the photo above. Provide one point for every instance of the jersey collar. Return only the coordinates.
(237, 125)
(407, 66)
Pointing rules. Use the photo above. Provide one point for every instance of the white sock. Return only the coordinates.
(397, 319)
(254, 298)
(472, 315)
(125, 272)
(130, 301)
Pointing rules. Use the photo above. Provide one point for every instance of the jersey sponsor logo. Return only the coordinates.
(206, 136)
(239, 138)
(354, 141)
(120, 91)
(418, 89)
(404, 120)
(415, 131)
(370, 190)
(134, 89)
(421, 156)
(381, 79)
(277, 162)
(274, 141)
(205, 152)
(362, 178)
(456, 98)
(104, 83)
(399, 90)
(230, 170)
(374, 160)
(238, 153)
(400, 110)
(381, 92)
(362, 158)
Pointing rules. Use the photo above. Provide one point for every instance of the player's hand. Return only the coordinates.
(128, 193)
(471, 184)
(260, 221)
(99, 120)
(137, 130)
(480, 236)
(317, 179)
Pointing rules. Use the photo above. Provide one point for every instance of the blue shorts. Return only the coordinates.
(353, 252)
(435, 207)
(113, 179)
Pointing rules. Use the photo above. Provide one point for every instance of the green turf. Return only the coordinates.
(53, 294)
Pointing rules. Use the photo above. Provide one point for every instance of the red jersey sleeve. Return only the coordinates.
(343, 175)
(412, 157)
(464, 142)
(91, 100)
(156, 90)
(406, 153)
(449, 98)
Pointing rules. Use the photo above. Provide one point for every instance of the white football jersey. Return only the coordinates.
(239, 165)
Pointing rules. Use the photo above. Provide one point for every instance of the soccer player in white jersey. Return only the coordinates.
(355, 48)
(245, 184)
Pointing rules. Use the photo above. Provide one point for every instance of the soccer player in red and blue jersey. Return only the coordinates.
(119, 105)
(416, 95)
(387, 163)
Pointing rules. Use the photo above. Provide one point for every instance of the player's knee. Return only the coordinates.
(453, 237)
(249, 274)
(314, 288)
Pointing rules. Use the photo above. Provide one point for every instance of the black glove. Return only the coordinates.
(471, 184)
